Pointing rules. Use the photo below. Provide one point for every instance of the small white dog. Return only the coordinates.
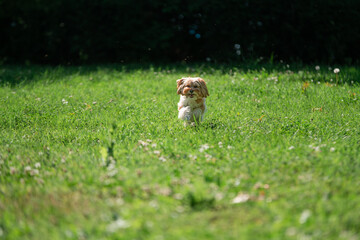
(193, 93)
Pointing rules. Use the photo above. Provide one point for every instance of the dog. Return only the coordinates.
(193, 93)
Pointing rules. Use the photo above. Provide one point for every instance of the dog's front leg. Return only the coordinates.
(185, 113)
(197, 115)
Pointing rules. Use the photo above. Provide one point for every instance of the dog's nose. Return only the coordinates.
(191, 91)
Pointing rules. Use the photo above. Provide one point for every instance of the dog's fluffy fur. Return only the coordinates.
(193, 93)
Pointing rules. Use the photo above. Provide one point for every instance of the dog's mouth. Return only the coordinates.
(191, 95)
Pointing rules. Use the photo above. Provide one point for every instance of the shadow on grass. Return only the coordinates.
(22, 75)
(13, 75)
(209, 125)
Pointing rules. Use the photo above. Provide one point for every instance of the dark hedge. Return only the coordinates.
(103, 31)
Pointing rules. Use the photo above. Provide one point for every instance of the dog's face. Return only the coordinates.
(192, 87)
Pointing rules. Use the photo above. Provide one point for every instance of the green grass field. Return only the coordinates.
(98, 153)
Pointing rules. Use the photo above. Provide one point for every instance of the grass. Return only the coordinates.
(98, 153)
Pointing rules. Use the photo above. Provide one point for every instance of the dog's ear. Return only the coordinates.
(203, 88)
(179, 85)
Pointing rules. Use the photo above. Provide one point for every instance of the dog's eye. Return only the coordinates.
(195, 86)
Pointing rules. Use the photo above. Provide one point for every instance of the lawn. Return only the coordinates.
(97, 152)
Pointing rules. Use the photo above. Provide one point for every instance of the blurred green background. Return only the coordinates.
(107, 31)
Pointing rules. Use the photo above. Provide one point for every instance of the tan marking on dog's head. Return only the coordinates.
(191, 87)
(203, 88)
(179, 85)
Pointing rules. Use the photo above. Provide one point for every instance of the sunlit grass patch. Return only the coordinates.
(98, 153)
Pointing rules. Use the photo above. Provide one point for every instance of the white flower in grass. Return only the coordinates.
(291, 231)
(336, 70)
(304, 216)
(34, 172)
(64, 101)
(204, 147)
(317, 68)
(118, 224)
(37, 165)
(317, 149)
(143, 143)
(240, 198)
(12, 170)
(163, 159)
(332, 149)
(27, 169)
(291, 147)
(193, 157)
